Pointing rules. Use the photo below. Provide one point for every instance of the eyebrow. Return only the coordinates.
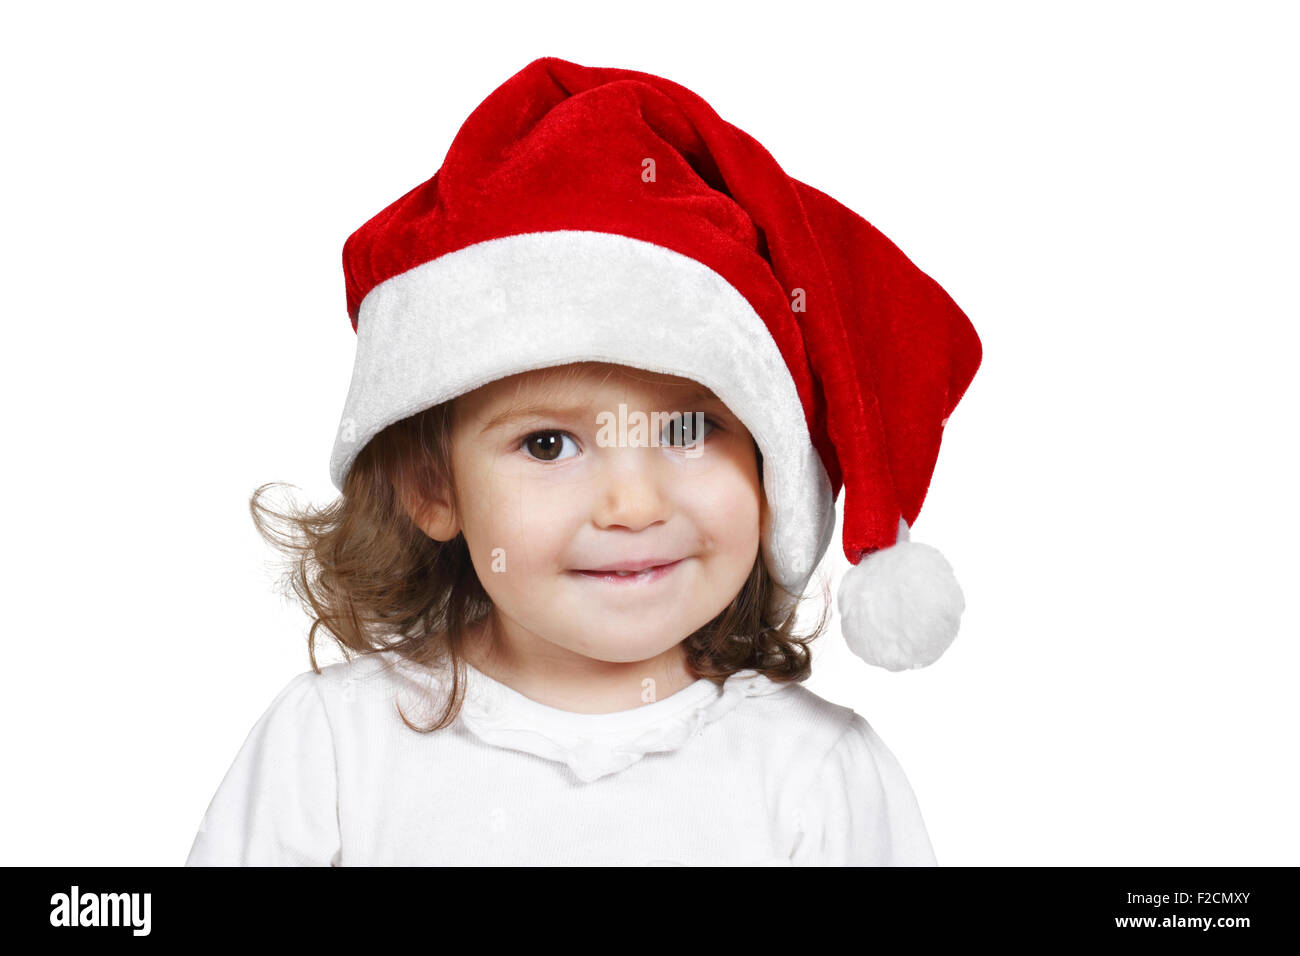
(541, 409)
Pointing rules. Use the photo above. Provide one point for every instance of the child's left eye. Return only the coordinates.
(689, 429)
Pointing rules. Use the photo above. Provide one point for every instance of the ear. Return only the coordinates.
(434, 516)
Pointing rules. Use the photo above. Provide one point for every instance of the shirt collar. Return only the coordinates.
(596, 745)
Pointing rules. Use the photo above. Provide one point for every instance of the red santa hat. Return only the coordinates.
(608, 215)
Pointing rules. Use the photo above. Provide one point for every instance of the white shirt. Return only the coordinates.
(753, 773)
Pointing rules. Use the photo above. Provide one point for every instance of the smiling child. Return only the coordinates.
(613, 368)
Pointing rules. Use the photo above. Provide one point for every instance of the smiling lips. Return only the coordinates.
(640, 564)
(630, 572)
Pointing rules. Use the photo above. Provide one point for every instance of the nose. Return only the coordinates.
(630, 494)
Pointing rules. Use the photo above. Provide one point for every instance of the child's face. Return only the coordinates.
(546, 496)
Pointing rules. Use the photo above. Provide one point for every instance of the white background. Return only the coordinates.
(1107, 189)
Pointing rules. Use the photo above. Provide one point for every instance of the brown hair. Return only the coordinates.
(366, 573)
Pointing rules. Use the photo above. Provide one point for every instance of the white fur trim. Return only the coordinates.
(901, 606)
(539, 299)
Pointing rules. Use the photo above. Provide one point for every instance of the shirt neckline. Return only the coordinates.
(593, 746)
(500, 697)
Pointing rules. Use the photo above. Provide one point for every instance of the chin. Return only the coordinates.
(627, 652)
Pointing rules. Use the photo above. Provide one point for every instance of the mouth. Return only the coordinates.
(627, 577)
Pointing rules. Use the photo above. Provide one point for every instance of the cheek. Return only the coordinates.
(729, 506)
(528, 520)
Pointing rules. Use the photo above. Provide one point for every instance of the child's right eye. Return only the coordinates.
(546, 446)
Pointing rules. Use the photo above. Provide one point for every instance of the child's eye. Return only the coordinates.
(687, 430)
(546, 446)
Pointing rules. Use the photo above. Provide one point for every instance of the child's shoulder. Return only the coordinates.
(375, 674)
(353, 700)
(367, 678)
(808, 722)
(830, 747)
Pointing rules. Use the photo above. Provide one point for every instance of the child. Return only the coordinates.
(613, 368)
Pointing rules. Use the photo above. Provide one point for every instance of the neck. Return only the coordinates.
(566, 680)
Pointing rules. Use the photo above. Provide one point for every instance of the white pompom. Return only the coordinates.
(901, 606)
